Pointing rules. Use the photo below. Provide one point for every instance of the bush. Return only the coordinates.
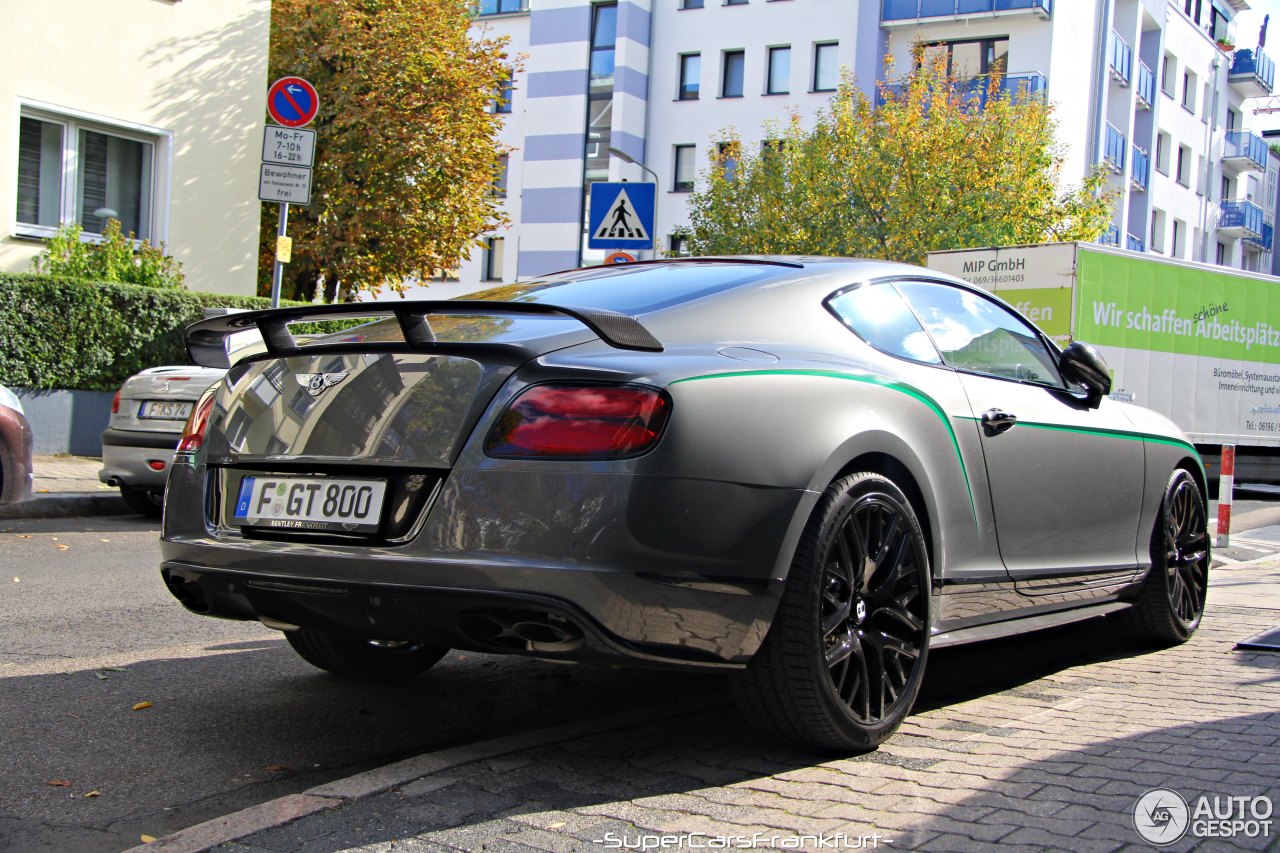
(113, 259)
(63, 332)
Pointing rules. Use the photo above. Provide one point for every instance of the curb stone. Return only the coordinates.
(331, 795)
(66, 505)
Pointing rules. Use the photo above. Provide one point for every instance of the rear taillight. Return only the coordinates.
(197, 423)
(115, 404)
(579, 422)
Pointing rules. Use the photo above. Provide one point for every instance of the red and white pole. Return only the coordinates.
(1226, 480)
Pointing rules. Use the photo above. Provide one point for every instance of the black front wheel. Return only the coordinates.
(1171, 604)
(363, 659)
(845, 656)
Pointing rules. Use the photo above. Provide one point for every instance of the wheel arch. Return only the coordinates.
(887, 465)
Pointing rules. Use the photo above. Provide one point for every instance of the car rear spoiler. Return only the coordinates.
(207, 339)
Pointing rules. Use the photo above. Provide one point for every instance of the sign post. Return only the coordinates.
(288, 154)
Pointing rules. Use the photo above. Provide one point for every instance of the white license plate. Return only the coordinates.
(310, 503)
(165, 410)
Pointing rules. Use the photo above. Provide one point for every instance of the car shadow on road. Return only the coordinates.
(669, 775)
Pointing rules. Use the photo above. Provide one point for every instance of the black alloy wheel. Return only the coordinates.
(843, 662)
(1171, 604)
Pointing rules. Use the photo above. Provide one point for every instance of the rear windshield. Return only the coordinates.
(635, 290)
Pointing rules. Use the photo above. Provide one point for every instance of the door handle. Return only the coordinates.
(996, 421)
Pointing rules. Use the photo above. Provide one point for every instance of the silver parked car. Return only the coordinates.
(809, 471)
(147, 415)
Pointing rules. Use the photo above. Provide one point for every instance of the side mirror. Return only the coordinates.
(1082, 364)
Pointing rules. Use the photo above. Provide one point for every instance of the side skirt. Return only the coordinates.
(1009, 627)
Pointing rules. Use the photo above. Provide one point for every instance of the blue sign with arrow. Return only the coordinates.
(621, 216)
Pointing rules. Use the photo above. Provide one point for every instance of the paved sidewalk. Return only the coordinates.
(67, 487)
(1033, 743)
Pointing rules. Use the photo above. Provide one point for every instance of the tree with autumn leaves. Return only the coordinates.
(406, 142)
(937, 163)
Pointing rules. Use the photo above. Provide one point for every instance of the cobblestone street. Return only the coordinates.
(1042, 742)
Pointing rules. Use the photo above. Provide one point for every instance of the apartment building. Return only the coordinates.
(146, 111)
(1156, 91)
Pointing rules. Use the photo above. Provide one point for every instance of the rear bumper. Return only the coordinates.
(661, 570)
(126, 458)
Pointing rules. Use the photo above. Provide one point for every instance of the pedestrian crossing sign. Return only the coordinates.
(621, 216)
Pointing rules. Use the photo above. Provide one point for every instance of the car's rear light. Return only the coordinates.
(197, 423)
(156, 464)
(115, 403)
(579, 422)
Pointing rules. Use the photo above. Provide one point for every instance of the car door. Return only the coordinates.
(1066, 477)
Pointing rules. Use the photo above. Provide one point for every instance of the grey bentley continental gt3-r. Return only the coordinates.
(808, 470)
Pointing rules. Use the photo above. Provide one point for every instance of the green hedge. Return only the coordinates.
(68, 333)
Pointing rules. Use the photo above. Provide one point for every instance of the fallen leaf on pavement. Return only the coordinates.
(54, 538)
(278, 768)
(112, 669)
(93, 794)
(104, 540)
(64, 547)
(147, 839)
(102, 676)
(24, 535)
(17, 580)
(555, 825)
(58, 783)
(141, 705)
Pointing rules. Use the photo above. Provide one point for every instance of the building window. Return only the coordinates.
(735, 62)
(968, 58)
(1232, 118)
(108, 175)
(678, 245)
(690, 4)
(683, 181)
(1179, 239)
(735, 2)
(502, 100)
(1222, 255)
(729, 152)
(779, 73)
(1183, 175)
(1189, 92)
(1157, 230)
(826, 71)
(690, 71)
(500, 176)
(501, 7)
(604, 31)
(1225, 188)
(1168, 74)
(493, 251)
(1162, 153)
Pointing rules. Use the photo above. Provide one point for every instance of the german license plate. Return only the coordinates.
(165, 410)
(310, 503)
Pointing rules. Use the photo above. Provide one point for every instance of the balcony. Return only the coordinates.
(975, 89)
(1241, 219)
(1252, 73)
(1263, 242)
(1244, 152)
(1110, 237)
(1141, 173)
(1120, 56)
(1134, 244)
(918, 11)
(1113, 151)
(1146, 86)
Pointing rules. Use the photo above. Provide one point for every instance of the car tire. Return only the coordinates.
(840, 668)
(363, 659)
(143, 501)
(1169, 607)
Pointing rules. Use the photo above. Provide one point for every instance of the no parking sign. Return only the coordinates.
(292, 102)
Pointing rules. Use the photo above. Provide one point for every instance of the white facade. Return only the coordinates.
(147, 112)
(1139, 86)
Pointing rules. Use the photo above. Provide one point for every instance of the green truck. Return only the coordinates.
(1198, 343)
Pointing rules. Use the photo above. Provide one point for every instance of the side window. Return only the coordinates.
(974, 333)
(877, 314)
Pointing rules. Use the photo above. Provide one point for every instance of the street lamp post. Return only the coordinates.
(627, 158)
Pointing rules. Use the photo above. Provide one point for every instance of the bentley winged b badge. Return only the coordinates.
(317, 383)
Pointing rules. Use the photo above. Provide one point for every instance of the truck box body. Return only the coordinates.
(1197, 343)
